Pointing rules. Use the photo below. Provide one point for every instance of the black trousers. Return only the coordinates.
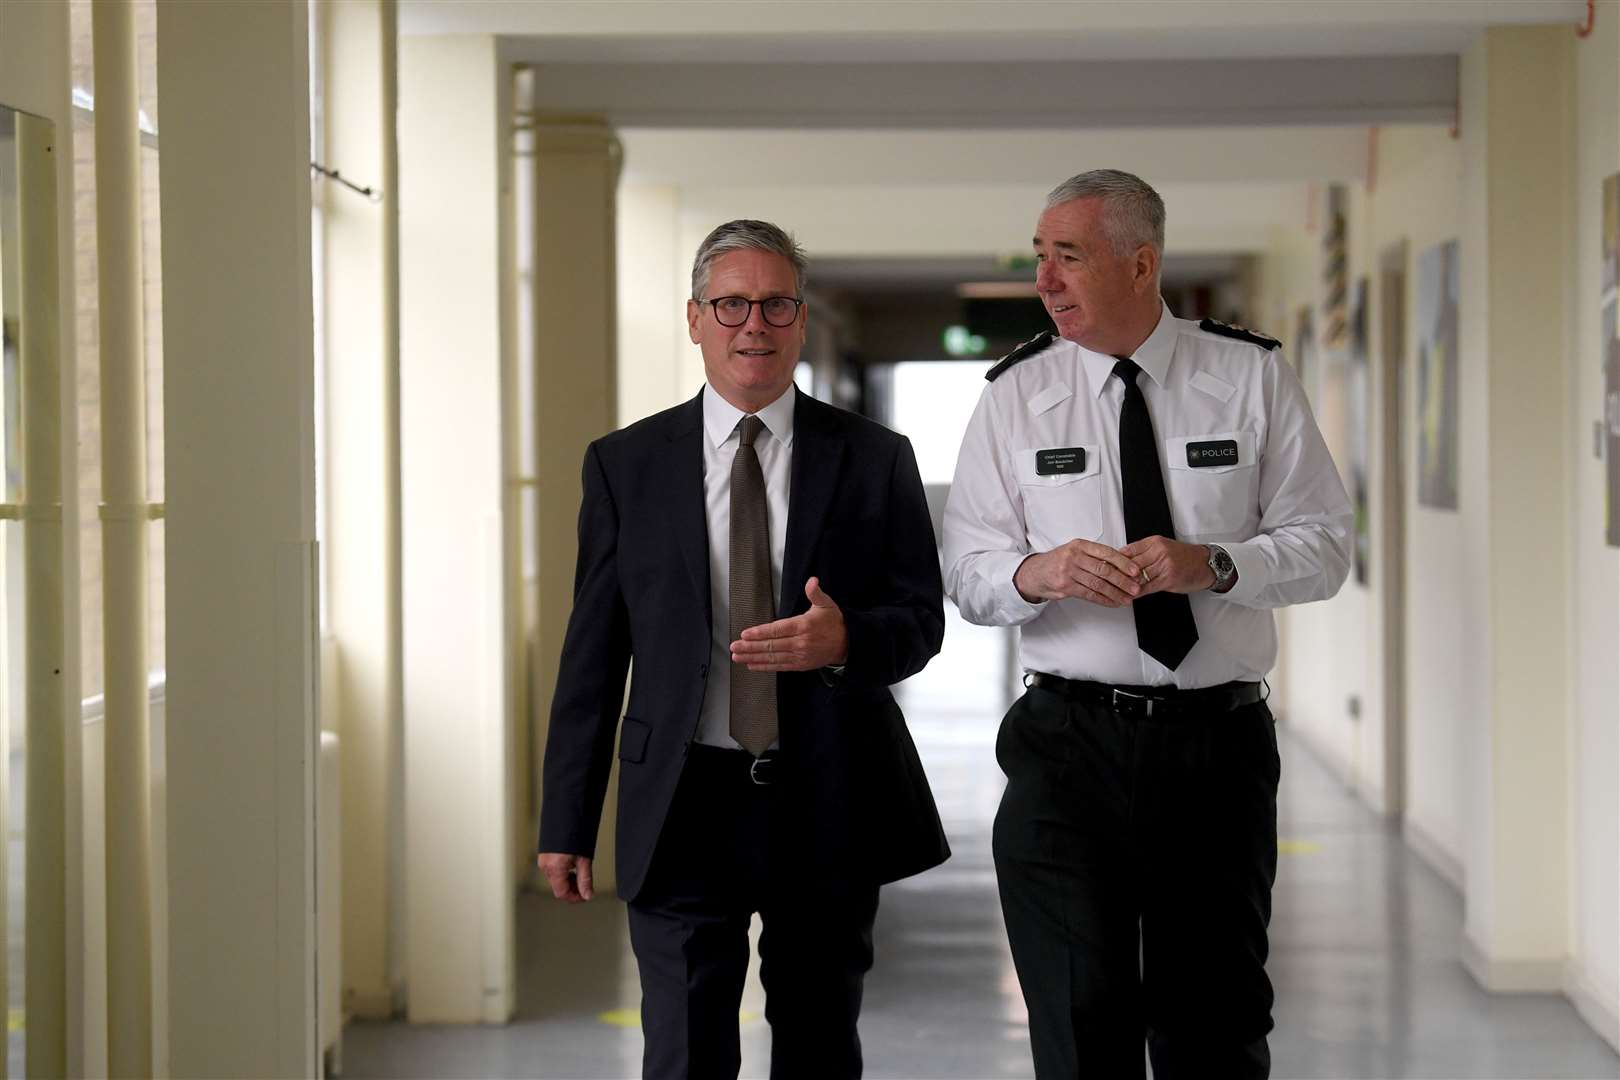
(723, 855)
(1135, 858)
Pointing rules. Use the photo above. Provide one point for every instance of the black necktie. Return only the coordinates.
(1164, 621)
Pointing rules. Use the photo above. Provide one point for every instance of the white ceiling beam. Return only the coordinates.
(844, 30)
(1162, 155)
(1105, 94)
(861, 221)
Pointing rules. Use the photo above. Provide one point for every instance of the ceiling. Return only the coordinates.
(943, 123)
(975, 31)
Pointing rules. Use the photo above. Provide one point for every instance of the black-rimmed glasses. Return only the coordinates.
(734, 310)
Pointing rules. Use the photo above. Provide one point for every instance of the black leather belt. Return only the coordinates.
(761, 770)
(1160, 702)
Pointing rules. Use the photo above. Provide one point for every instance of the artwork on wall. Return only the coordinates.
(1610, 339)
(1437, 292)
(1357, 419)
(1335, 270)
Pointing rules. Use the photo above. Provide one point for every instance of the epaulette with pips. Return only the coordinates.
(1241, 333)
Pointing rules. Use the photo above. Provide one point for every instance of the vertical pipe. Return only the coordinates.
(45, 975)
(124, 525)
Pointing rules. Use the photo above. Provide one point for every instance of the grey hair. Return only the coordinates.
(1133, 213)
(746, 234)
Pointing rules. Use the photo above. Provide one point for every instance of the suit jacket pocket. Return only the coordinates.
(633, 740)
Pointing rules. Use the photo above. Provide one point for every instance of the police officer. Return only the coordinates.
(1136, 492)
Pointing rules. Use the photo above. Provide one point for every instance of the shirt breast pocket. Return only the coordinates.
(1061, 506)
(1214, 485)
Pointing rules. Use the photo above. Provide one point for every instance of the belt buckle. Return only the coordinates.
(1115, 694)
(761, 776)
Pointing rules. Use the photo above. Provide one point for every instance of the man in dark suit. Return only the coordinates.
(768, 563)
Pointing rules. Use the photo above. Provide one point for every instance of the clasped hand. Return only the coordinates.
(1113, 577)
(805, 642)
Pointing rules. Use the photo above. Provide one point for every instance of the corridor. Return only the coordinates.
(1365, 949)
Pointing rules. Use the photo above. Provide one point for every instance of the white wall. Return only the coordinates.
(458, 881)
(1524, 824)
(652, 329)
(1594, 568)
(240, 482)
(360, 305)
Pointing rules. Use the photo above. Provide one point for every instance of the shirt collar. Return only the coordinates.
(1152, 356)
(720, 417)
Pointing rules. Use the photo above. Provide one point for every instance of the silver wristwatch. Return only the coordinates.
(1221, 565)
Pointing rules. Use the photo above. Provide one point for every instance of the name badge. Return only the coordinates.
(1070, 459)
(1203, 455)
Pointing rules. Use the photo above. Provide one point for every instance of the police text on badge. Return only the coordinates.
(1204, 455)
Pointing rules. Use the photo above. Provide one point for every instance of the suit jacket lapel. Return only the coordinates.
(685, 505)
(817, 456)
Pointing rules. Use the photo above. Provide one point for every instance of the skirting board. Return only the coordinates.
(1598, 1008)
(1512, 976)
(1434, 854)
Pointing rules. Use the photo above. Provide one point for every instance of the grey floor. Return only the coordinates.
(1365, 951)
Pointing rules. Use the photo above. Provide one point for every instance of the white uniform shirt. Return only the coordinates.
(1280, 510)
(774, 445)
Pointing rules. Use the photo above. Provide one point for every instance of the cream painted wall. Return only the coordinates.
(1523, 822)
(651, 326)
(1593, 980)
(239, 395)
(1415, 200)
(1516, 919)
(459, 884)
(360, 305)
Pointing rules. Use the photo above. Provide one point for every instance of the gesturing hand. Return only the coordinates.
(1171, 565)
(1083, 570)
(803, 643)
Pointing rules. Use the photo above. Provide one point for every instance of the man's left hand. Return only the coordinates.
(1170, 565)
(805, 642)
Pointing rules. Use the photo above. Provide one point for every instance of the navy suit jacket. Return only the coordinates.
(851, 785)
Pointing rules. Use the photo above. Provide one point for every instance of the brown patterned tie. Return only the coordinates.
(753, 693)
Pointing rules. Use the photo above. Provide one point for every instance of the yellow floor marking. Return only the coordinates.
(625, 1018)
(1298, 847)
(14, 1020)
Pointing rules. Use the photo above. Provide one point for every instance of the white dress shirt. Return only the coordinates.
(774, 445)
(1280, 510)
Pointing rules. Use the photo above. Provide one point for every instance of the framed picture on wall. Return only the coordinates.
(1357, 420)
(1610, 339)
(1437, 293)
